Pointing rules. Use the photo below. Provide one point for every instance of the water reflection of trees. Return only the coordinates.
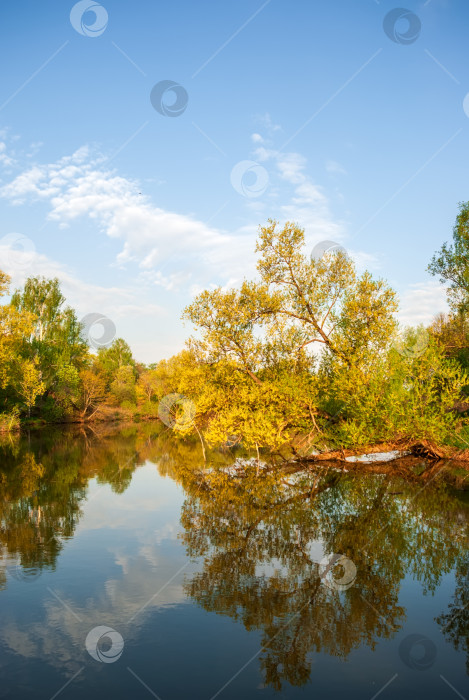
(260, 537)
(455, 622)
(44, 477)
(256, 536)
(43, 482)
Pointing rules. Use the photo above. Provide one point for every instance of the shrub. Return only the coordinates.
(9, 421)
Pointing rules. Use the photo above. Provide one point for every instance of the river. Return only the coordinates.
(131, 571)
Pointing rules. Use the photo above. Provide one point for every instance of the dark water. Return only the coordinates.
(127, 574)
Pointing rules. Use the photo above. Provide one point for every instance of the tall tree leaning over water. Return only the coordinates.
(261, 379)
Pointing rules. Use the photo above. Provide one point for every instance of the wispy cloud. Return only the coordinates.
(167, 247)
(421, 302)
(5, 158)
(160, 257)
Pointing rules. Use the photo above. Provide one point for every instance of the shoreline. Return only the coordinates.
(400, 455)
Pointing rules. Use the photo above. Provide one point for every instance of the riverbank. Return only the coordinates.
(106, 414)
(414, 461)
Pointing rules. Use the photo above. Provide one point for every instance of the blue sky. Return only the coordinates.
(300, 110)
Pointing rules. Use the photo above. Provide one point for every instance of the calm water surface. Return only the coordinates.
(128, 573)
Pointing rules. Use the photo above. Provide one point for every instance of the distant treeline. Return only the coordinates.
(49, 373)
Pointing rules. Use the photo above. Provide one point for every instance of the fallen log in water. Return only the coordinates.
(388, 452)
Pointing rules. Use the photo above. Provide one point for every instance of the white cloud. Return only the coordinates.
(155, 239)
(77, 186)
(170, 251)
(257, 138)
(308, 205)
(364, 261)
(5, 159)
(420, 303)
(291, 167)
(115, 302)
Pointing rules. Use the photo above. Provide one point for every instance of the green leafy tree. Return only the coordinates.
(15, 325)
(407, 395)
(30, 384)
(451, 332)
(115, 356)
(148, 383)
(297, 304)
(92, 392)
(451, 263)
(67, 388)
(123, 385)
(55, 338)
(264, 332)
